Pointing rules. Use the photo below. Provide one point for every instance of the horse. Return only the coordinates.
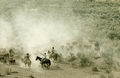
(12, 61)
(53, 56)
(87, 46)
(45, 63)
(27, 62)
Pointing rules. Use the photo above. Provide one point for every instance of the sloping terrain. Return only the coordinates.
(56, 71)
(34, 26)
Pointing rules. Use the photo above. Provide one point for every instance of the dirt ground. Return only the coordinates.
(56, 71)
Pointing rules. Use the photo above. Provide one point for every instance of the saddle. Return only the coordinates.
(44, 59)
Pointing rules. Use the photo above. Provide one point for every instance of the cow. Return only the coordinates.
(87, 46)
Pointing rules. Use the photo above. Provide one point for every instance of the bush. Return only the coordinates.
(31, 76)
(111, 75)
(112, 35)
(8, 71)
(95, 69)
(86, 62)
(73, 65)
(102, 76)
(78, 55)
(71, 57)
(108, 71)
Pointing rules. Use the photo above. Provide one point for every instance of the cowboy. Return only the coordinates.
(27, 56)
(97, 48)
(44, 56)
(11, 52)
(96, 44)
(53, 50)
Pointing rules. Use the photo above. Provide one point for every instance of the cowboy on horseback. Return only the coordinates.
(27, 57)
(52, 54)
(44, 56)
(27, 60)
(11, 56)
(11, 53)
(53, 50)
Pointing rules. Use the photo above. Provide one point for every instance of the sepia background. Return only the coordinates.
(70, 26)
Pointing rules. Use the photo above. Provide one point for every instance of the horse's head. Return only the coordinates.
(49, 52)
(38, 58)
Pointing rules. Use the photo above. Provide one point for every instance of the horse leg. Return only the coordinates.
(25, 65)
(42, 66)
(52, 60)
(10, 62)
(48, 66)
(29, 66)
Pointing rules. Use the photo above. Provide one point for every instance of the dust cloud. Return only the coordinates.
(38, 30)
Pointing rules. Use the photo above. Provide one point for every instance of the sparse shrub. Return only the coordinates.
(112, 35)
(108, 71)
(108, 58)
(73, 65)
(8, 71)
(95, 69)
(86, 62)
(108, 63)
(111, 75)
(31, 76)
(103, 65)
(78, 55)
(14, 72)
(91, 0)
(103, 76)
(71, 57)
(60, 58)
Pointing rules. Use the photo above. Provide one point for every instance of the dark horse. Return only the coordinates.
(12, 61)
(45, 63)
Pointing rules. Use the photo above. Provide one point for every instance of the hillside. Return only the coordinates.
(34, 26)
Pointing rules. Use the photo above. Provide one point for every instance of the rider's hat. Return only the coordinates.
(27, 53)
(52, 47)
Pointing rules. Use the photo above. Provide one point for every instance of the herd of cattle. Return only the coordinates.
(5, 55)
(90, 44)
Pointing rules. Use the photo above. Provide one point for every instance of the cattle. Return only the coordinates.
(90, 41)
(74, 43)
(62, 47)
(79, 46)
(67, 48)
(68, 44)
(87, 46)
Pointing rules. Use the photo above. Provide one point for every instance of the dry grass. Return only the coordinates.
(8, 71)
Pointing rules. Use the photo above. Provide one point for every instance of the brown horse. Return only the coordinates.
(26, 62)
(53, 56)
(87, 46)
